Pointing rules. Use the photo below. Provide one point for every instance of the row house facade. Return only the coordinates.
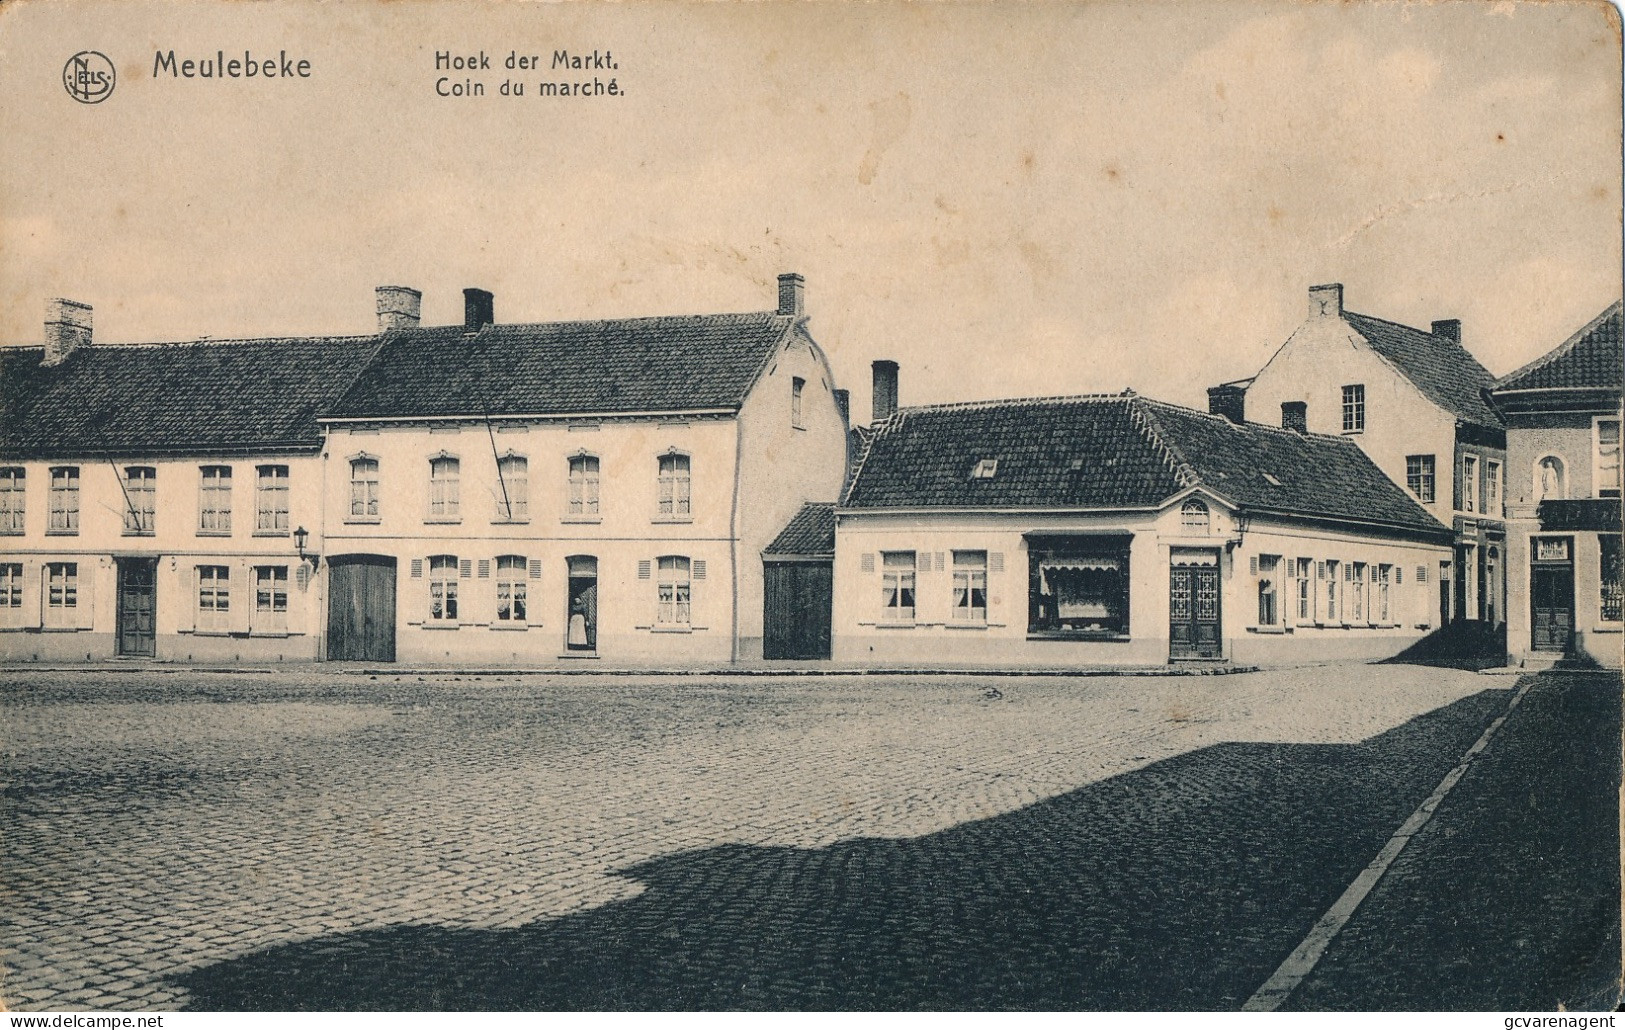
(1414, 401)
(469, 492)
(1113, 529)
(573, 489)
(1563, 413)
(163, 500)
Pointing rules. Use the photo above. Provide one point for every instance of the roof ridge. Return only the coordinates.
(206, 341)
(1071, 398)
(1561, 349)
(1398, 325)
(1249, 425)
(738, 315)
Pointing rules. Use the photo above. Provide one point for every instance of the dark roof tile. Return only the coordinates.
(811, 532)
(1439, 366)
(1592, 358)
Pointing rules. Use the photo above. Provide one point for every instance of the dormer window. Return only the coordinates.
(1271, 480)
(985, 469)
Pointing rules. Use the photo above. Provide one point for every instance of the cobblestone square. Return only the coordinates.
(320, 840)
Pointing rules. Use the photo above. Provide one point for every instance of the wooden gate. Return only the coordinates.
(361, 608)
(797, 599)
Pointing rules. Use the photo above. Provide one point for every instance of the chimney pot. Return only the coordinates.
(67, 328)
(792, 294)
(1229, 400)
(399, 307)
(1449, 328)
(478, 309)
(1295, 416)
(885, 396)
(1326, 300)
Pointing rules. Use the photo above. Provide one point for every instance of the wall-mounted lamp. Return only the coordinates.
(300, 537)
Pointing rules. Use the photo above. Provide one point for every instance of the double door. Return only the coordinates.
(1193, 611)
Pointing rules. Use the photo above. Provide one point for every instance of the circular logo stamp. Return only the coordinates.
(89, 76)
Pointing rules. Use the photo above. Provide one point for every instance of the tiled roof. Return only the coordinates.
(810, 532)
(1117, 451)
(205, 397)
(1590, 359)
(629, 365)
(1439, 366)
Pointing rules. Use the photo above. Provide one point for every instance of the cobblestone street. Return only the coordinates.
(327, 841)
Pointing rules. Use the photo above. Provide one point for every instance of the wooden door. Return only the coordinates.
(1551, 592)
(137, 606)
(361, 609)
(797, 600)
(1193, 612)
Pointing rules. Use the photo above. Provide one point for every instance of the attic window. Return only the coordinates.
(1271, 480)
(985, 468)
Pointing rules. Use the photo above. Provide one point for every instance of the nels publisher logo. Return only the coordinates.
(88, 77)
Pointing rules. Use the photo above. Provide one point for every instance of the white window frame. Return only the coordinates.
(1492, 489)
(1195, 517)
(1602, 581)
(676, 486)
(674, 591)
(1269, 588)
(214, 500)
(1303, 596)
(442, 577)
(897, 575)
(271, 599)
(797, 386)
(272, 496)
(64, 501)
(1354, 408)
(364, 489)
(12, 575)
(512, 586)
(445, 489)
(1469, 483)
(213, 600)
(969, 586)
(1383, 603)
(140, 500)
(60, 581)
(583, 477)
(13, 500)
(1426, 474)
(1333, 593)
(1356, 600)
(512, 486)
(1599, 488)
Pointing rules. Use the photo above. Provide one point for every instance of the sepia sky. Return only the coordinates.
(1007, 199)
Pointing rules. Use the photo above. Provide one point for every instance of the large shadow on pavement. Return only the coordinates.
(1178, 886)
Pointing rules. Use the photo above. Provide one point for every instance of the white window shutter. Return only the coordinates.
(33, 594)
(1252, 565)
(643, 568)
(1399, 574)
(417, 568)
(995, 561)
(1348, 572)
(535, 568)
(87, 593)
(485, 568)
(242, 598)
(941, 565)
(301, 576)
(1320, 570)
(465, 568)
(866, 563)
(297, 601)
(699, 568)
(186, 610)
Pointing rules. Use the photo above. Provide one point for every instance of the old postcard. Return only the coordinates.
(810, 506)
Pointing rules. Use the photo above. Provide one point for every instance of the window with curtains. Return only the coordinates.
(61, 595)
(140, 500)
(213, 598)
(897, 586)
(271, 500)
(445, 489)
(443, 588)
(12, 494)
(271, 598)
(511, 584)
(364, 488)
(674, 487)
(513, 489)
(674, 598)
(1269, 607)
(970, 586)
(214, 500)
(64, 498)
(1078, 586)
(584, 485)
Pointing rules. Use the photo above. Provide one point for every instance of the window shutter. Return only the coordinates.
(995, 561)
(535, 568)
(301, 577)
(1320, 570)
(87, 593)
(643, 568)
(1399, 574)
(417, 568)
(186, 610)
(941, 565)
(485, 568)
(243, 596)
(1348, 572)
(698, 568)
(297, 600)
(1252, 565)
(33, 594)
(1421, 573)
(866, 563)
(465, 568)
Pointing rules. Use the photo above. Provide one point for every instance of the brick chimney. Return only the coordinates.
(792, 295)
(1229, 400)
(885, 398)
(1449, 328)
(67, 328)
(478, 309)
(1326, 300)
(399, 307)
(1295, 416)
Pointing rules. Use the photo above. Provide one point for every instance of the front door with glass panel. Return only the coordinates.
(1193, 606)
(1551, 593)
(137, 606)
